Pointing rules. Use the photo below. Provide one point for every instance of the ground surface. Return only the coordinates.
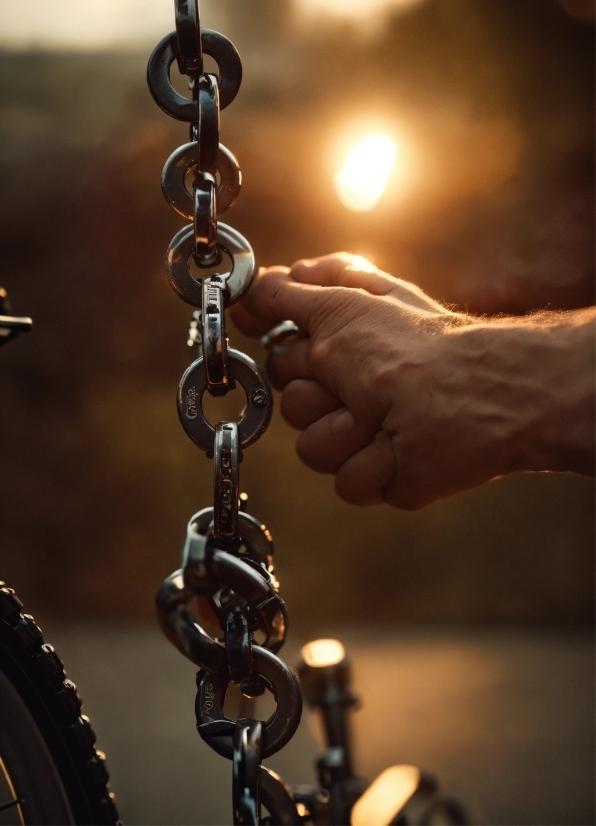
(505, 719)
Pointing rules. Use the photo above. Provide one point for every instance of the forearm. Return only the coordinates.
(536, 378)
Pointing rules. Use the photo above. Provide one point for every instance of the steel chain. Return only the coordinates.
(228, 554)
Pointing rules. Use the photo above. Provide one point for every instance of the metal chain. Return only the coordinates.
(228, 554)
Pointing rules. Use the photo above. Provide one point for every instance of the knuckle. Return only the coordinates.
(342, 424)
(303, 449)
(320, 353)
(353, 494)
(333, 306)
(301, 265)
(308, 454)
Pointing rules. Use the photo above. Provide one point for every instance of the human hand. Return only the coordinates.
(402, 399)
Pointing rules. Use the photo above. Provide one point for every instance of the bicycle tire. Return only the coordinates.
(33, 680)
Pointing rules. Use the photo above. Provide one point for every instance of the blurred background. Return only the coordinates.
(470, 623)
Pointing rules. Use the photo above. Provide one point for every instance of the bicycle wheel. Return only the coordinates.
(50, 770)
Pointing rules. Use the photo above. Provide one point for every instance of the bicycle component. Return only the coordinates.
(158, 74)
(279, 333)
(245, 772)
(404, 794)
(259, 401)
(48, 754)
(324, 673)
(185, 158)
(213, 338)
(278, 798)
(188, 33)
(11, 325)
(229, 242)
(218, 730)
(225, 480)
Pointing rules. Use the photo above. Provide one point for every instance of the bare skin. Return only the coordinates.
(406, 401)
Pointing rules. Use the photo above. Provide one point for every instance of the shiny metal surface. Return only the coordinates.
(179, 163)
(179, 626)
(245, 772)
(11, 326)
(279, 333)
(208, 571)
(205, 220)
(255, 384)
(229, 64)
(218, 730)
(160, 86)
(238, 643)
(208, 124)
(226, 481)
(257, 542)
(237, 281)
(228, 554)
(158, 74)
(213, 338)
(188, 32)
(277, 798)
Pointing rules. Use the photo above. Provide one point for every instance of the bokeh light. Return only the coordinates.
(321, 653)
(361, 181)
(360, 10)
(385, 798)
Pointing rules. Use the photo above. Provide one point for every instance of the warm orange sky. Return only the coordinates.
(83, 24)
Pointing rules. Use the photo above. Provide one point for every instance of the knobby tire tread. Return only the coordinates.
(38, 674)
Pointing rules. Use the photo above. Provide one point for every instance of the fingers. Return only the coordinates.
(304, 401)
(327, 443)
(288, 361)
(248, 323)
(272, 299)
(364, 477)
(299, 293)
(343, 270)
(275, 296)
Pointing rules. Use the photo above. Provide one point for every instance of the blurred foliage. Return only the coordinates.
(99, 480)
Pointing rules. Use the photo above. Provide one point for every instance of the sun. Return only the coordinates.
(363, 178)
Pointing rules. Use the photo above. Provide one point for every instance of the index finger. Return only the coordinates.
(343, 269)
(275, 296)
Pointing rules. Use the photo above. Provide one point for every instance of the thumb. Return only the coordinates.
(275, 296)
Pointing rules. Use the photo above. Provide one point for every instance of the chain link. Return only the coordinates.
(228, 554)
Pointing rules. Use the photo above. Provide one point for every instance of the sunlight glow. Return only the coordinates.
(363, 178)
(60, 24)
(386, 797)
(359, 10)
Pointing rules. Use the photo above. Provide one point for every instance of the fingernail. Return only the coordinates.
(261, 270)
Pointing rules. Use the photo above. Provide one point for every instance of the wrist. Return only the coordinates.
(535, 377)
